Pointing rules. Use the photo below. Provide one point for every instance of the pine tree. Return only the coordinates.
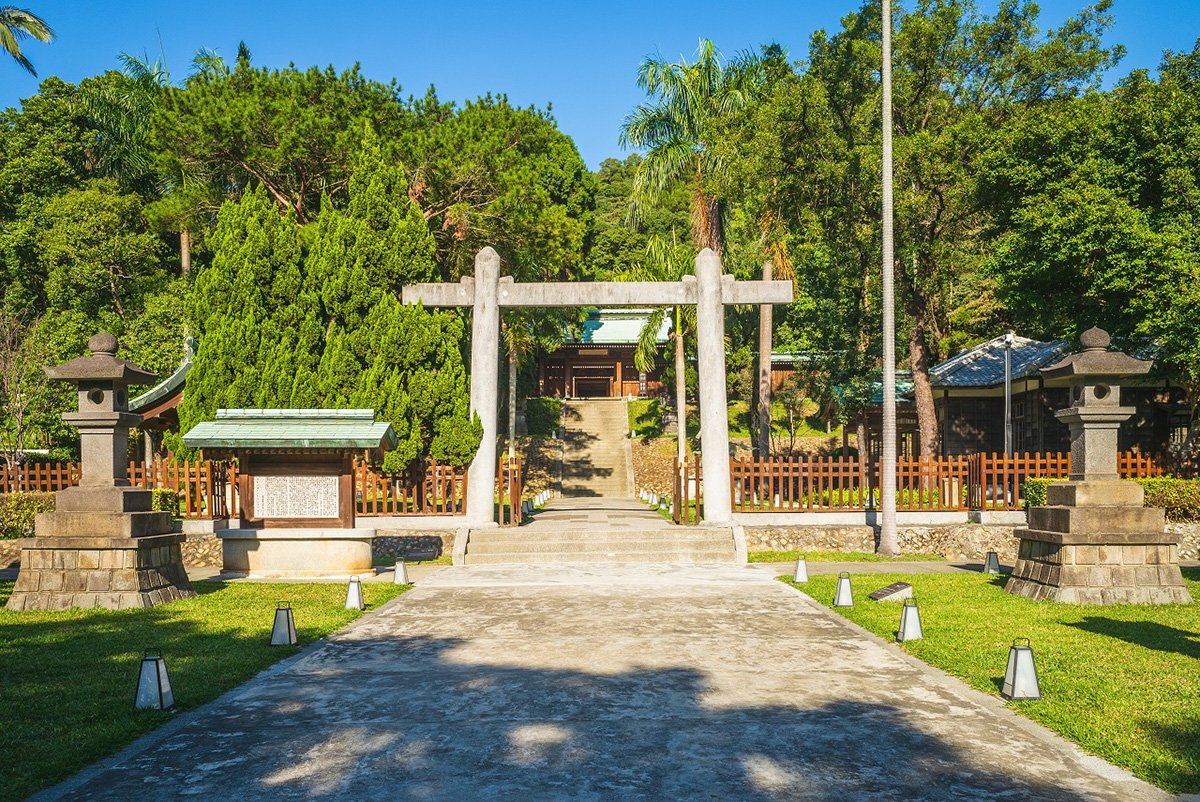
(235, 311)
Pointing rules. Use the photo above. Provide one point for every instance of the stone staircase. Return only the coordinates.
(599, 530)
(596, 449)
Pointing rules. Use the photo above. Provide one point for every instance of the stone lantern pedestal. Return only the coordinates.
(102, 546)
(1094, 542)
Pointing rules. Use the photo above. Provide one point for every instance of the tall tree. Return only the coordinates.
(1094, 206)
(689, 98)
(17, 24)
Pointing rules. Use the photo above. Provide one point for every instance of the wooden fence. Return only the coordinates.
(934, 484)
(510, 486)
(204, 488)
(441, 490)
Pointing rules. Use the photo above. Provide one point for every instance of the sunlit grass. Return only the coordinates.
(1122, 681)
(66, 693)
(837, 557)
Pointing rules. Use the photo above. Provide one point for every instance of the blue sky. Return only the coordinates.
(579, 56)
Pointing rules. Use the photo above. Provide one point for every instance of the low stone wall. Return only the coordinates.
(202, 550)
(423, 545)
(10, 553)
(1189, 539)
(810, 538)
(954, 542)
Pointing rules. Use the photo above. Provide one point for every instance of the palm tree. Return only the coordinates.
(17, 24)
(121, 115)
(888, 541)
(673, 130)
(665, 261)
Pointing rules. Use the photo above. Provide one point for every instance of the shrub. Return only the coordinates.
(17, 511)
(543, 416)
(645, 417)
(1179, 497)
(164, 499)
(1034, 491)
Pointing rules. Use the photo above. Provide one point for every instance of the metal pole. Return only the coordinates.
(888, 540)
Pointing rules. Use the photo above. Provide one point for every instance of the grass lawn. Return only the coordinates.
(66, 698)
(1122, 681)
(838, 557)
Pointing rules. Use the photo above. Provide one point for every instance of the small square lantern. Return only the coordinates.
(910, 622)
(153, 685)
(283, 633)
(801, 572)
(1020, 676)
(844, 597)
(354, 595)
(991, 564)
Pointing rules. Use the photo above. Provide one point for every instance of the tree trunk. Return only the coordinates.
(889, 542)
(918, 354)
(185, 250)
(680, 391)
(706, 220)
(917, 305)
(765, 312)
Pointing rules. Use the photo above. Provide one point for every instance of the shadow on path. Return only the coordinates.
(409, 719)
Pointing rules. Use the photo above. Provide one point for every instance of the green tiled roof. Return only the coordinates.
(292, 429)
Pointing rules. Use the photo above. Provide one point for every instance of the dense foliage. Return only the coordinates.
(274, 214)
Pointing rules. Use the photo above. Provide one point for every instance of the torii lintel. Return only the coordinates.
(510, 293)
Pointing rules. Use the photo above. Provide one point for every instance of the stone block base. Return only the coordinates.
(296, 552)
(1096, 572)
(112, 573)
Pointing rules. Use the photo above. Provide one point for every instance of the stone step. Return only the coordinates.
(572, 548)
(585, 533)
(550, 558)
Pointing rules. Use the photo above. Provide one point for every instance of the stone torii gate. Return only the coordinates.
(709, 290)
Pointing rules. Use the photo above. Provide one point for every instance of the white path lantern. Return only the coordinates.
(1020, 676)
(991, 564)
(154, 684)
(401, 573)
(283, 632)
(354, 595)
(910, 622)
(801, 572)
(844, 597)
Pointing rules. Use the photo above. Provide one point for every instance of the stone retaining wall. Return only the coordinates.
(10, 553)
(202, 550)
(953, 542)
(1189, 539)
(424, 545)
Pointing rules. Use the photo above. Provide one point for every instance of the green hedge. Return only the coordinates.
(1034, 491)
(17, 511)
(164, 500)
(543, 416)
(1179, 497)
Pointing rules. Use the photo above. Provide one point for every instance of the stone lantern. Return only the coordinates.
(1094, 542)
(102, 546)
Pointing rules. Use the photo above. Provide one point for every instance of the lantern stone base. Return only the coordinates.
(1097, 544)
(113, 573)
(296, 552)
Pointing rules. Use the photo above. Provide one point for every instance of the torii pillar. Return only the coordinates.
(709, 290)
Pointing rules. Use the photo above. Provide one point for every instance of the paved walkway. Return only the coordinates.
(652, 683)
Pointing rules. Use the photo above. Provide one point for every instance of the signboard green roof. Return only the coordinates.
(292, 429)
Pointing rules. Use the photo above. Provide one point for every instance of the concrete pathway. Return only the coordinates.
(585, 683)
